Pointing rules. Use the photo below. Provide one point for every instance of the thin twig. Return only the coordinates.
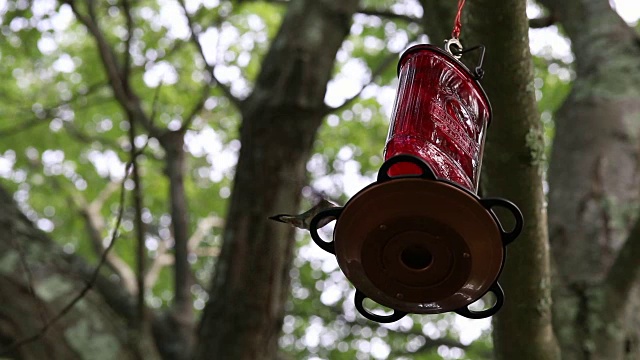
(196, 108)
(20, 342)
(388, 60)
(95, 225)
(176, 46)
(126, 68)
(47, 112)
(104, 194)
(389, 15)
(163, 259)
(29, 277)
(139, 224)
(23, 126)
(154, 103)
(87, 138)
(226, 90)
(122, 92)
(534, 23)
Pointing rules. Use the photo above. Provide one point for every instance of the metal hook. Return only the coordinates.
(455, 42)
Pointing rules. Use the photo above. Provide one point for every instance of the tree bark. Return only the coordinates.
(512, 169)
(593, 180)
(92, 329)
(242, 320)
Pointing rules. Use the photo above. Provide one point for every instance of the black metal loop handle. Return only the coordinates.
(359, 301)
(427, 173)
(496, 289)
(507, 237)
(313, 228)
(478, 72)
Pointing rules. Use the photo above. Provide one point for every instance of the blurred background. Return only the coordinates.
(300, 90)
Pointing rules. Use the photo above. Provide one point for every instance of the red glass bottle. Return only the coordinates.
(441, 114)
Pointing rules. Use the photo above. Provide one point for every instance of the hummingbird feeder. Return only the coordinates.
(420, 239)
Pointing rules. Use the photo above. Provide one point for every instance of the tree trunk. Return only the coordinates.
(92, 329)
(242, 320)
(593, 180)
(512, 169)
(181, 315)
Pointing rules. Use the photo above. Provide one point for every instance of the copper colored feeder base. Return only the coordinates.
(420, 244)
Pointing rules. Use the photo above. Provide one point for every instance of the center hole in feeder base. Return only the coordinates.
(419, 239)
(416, 257)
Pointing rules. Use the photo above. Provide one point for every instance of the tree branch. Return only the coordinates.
(20, 127)
(126, 69)
(82, 136)
(391, 58)
(204, 226)
(197, 108)
(623, 274)
(106, 52)
(182, 308)
(139, 225)
(95, 225)
(46, 113)
(541, 22)
(129, 101)
(154, 103)
(161, 260)
(94, 276)
(226, 90)
(29, 278)
(389, 15)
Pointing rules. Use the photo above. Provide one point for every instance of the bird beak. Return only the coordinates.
(277, 218)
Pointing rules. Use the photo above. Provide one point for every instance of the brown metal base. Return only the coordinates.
(419, 244)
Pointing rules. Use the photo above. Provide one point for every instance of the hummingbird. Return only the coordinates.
(303, 220)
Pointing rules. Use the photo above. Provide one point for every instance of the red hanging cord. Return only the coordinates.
(457, 25)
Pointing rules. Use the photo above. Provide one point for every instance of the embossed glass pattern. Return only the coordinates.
(440, 115)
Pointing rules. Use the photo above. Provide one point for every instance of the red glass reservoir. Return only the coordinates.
(441, 114)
